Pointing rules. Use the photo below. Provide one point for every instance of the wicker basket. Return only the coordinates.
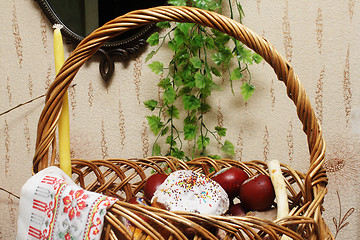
(125, 178)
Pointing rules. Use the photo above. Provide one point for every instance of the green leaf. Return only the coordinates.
(190, 119)
(184, 91)
(153, 40)
(215, 71)
(169, 95)
(181, 57)
(196, 62)
(163, 24)
(155, 124)
(220, 38)
(164, 131)
(191, 102)
(185, 27)
(156, 150)
(157, 67)
(207, 72)
(165, 83)
(236, 74)
(204, 107)
(172, 45)
(226, 55)
(200, 80)
(247, 90)
(170, 140)
(173, 112)
(189, 132)
(151, 104)
(177, 2)
(214, 5)
(245, 55)
(221, 131)
(196, 43)
(150, 55)
(223, 56)
(202, 142)
(206, 91)
(179, 37)
(217, 58)
(228, 148)
(178, 80)
(257, 58)
(209, 42)
(207, 4)
(189, 82)
(176, 153)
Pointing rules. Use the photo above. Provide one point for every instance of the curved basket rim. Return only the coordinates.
(315, 181)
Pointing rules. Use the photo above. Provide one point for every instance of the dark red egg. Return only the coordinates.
(257, 193)
(152, 184)
(237, 210)
(140, 201)
(231, 179)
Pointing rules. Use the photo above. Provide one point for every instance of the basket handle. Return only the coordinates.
(89, 46)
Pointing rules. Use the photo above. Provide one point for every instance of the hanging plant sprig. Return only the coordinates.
(199, 56)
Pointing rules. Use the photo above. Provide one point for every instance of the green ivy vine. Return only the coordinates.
(199, 55)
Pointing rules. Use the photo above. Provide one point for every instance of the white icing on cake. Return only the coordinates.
(186, 190)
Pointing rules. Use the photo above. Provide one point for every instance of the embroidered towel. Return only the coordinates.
(52, 206)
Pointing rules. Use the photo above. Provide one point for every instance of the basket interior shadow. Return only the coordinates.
(124, 178)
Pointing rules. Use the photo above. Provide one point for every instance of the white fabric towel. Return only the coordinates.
(52, 206)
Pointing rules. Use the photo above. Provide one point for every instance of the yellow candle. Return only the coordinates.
(64, 125)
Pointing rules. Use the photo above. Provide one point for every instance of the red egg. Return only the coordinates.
(140, 201)
(257, 193)
(152, 184)
(237, 210)
(231, 179)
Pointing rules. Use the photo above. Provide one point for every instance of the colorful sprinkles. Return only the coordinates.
(186, 190)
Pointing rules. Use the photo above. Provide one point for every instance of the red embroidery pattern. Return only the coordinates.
(96, 215)
(56, 182)
(36, 230)
(43, 207)
(36, 233)
(74, 203)
(68, 236)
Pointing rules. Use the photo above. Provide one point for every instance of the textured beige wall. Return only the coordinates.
(320, 38)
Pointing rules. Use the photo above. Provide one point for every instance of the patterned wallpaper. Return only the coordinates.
(319, 38)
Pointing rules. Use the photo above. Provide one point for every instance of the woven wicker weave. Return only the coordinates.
(125, 178)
